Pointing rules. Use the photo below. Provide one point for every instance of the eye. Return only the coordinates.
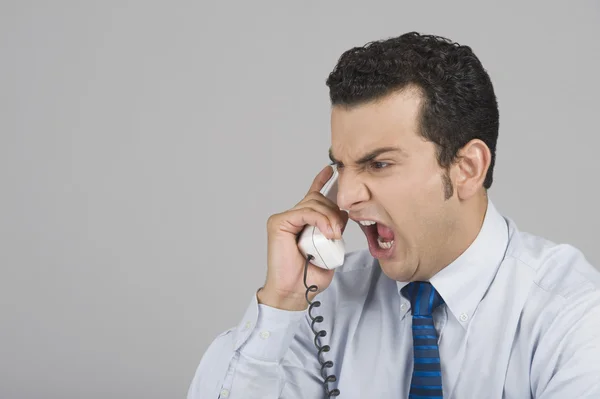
(378, 165)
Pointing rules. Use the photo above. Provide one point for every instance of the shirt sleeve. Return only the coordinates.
(566, 363)
(267, 356)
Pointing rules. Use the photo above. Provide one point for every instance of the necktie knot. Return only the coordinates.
(423, 297)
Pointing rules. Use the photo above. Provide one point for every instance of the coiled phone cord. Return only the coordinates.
(320, 333)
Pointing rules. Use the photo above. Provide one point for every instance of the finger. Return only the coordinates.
(317, 196)
(344, 218)
(341, 216)
(296, 219)
(334, 215)
(322, 178)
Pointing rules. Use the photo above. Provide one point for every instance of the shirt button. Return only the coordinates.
(464, 317)
(403, 307)
(264, 334)
(247, 325)
(224, 393)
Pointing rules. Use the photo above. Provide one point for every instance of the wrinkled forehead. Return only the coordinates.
(389, 122)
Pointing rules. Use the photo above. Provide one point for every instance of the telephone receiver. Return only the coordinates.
(326, 253)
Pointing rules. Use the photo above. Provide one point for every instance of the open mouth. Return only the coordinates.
(380, 238)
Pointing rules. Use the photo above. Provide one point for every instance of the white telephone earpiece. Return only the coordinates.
(326, 253)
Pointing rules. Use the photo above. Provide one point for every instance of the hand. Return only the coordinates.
(284, 287)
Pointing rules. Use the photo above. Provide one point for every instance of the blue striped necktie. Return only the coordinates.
(426, 380)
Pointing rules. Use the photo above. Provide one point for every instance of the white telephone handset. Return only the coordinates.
(326, 253)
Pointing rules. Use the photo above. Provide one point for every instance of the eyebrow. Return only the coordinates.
(370, 156)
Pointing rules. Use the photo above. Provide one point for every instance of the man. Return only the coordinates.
(451, 299)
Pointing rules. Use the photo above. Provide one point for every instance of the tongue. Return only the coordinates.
(385, 232)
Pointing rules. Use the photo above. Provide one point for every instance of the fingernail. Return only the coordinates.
(329, 230)
(338, 230)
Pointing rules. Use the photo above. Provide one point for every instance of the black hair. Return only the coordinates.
(459, 101)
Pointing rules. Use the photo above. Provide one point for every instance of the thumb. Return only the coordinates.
(345, 217)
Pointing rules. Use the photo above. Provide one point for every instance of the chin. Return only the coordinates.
(395, 270)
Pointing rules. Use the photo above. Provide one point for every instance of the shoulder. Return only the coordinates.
(359, 267)
(559, 269)
(353, 280)
(359, 260)
(561, 316)
(565, 285)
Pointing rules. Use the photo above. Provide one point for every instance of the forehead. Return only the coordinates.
(391, 121)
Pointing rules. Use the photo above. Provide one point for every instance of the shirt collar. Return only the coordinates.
(463, 282)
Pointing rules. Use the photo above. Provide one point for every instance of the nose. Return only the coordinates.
(351, 191)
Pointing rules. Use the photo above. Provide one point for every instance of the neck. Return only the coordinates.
(463, 232)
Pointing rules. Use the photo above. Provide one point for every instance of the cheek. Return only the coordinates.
(415, 205)
(402, 200)
(421, 188)
(430, 182)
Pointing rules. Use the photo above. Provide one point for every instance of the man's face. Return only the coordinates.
(403, 189)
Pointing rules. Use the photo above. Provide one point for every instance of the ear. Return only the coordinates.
(471, 168)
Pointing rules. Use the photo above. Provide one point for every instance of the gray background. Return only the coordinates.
(143, 146)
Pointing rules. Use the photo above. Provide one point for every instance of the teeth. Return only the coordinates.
(367, 222)
(384, 244)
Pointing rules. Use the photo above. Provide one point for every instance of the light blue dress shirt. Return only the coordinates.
(521, 319)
